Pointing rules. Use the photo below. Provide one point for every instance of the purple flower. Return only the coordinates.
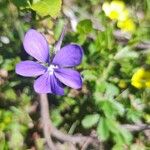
(53, 74)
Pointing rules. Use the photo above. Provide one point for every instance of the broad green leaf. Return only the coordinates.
(84, 26)
(47, 7)
(90, 120)
(103, 129)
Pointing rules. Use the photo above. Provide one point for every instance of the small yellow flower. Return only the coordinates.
(141, 79)
(147, 118)
(122, 84)
(115, 10)
(126, 25)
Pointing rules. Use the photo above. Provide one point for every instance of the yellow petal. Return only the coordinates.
(114, 15)
(126, 25)
(137, 78)
(123, 15)
(137, 84)
(117, 6)
(138, 75)
(147, 84)
(106, 8)
(147, 75)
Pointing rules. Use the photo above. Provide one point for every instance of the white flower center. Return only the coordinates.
(51, 69)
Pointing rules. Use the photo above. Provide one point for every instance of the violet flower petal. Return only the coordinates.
(68, 56)
(56, 86)
(69, 77)
(36, 45)
(42, 84)
(30, 68)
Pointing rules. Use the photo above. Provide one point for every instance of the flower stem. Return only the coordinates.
(46, 122)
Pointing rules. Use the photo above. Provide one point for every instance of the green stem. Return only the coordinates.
(107, 71)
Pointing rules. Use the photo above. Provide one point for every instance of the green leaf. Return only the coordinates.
(126, 52)
(134, 115)
(16, 138)
(35, 1)
(111, 90)
(84, 26)
(107, 108)
(118, 147)
(101, 86)
(47, 7)
(89, 75)
(90, 120)
(2, 141)
(81, 39)
(103, 129)
(118, 107)
(56, 117)
(111, 108)
(22, 116)
(10, 94)
(113, 125)
(58, 29)
(20, 3)
(123, 136)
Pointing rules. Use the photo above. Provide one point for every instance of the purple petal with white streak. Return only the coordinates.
(56, 86)
(68, 56)
(69, 77)
(43, 84)
(30, 69)
(36, 45)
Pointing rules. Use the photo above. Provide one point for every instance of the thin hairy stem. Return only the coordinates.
(46, 122)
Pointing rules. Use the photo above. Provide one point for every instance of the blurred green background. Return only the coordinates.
(114, 50)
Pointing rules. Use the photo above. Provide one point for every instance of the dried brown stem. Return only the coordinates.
(46, 121)
(49, 130)
(136, 127)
